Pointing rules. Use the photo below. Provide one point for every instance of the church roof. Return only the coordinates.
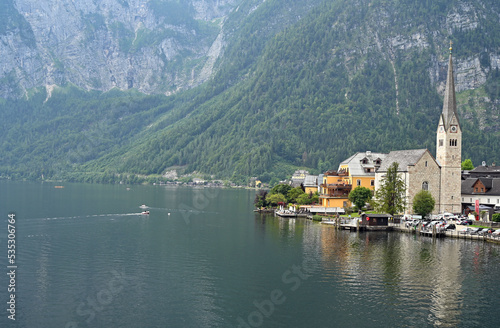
(449, 103)
(404, 158)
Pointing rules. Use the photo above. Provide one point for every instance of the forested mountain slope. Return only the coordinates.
(300, 84)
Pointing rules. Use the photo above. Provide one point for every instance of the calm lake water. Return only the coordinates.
(86, 258)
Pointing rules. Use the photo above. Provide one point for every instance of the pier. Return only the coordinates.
(462, 232)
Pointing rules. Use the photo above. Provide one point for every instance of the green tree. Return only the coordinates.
(390, 195)
(293, 194)
(274, 199)
(423, 203)
(281, 189)
(359, 196)
(467, 165)
(304, 199)
(314, 197)
(260, 199)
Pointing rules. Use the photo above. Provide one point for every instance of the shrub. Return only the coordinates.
(496, 217)
(317, 218)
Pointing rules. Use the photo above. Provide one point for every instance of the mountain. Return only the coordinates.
(294, 84)
(152, 46)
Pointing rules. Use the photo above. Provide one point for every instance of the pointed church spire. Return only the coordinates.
(449, 104)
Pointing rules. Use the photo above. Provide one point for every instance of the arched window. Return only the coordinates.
(425, 185)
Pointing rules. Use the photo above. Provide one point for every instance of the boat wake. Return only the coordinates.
(109, 215)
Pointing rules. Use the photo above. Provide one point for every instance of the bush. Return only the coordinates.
(317, 218)
(496, 217)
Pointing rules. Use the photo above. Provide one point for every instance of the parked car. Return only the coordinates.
(465, 222)
(475, 231)
(415, 223)
(496, 233)
(488, 231)
(465, 231)
(450, 226)
(436, 223)
(483, 232)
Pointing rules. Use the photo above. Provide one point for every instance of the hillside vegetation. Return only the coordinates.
(301, 84)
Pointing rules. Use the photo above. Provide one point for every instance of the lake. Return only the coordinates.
(86, 257)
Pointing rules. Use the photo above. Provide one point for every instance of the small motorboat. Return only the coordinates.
(145, 212)
(143, 206)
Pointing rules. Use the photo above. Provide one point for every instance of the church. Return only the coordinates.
(440, 175)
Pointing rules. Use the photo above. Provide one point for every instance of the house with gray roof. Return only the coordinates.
(361, 168)
(483, 184)
(484, 170)
(298, 178)
(310, 184)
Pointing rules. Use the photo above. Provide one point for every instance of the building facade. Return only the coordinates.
(361, 168)
(483, 185)
(419, 171)
(335, 189)
(310, 184)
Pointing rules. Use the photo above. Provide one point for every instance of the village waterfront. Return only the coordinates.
(87, 257)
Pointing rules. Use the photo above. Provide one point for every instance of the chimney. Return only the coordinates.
(493, 164)
(483, 163)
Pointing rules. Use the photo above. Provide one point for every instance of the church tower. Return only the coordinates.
(449, 149)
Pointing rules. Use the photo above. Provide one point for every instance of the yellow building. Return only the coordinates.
(361, 168)
(311, 184)
(335, 189)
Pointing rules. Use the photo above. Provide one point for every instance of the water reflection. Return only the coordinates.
(393, 274)
(209, 267)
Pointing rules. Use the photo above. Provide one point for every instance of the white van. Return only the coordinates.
(449, 216)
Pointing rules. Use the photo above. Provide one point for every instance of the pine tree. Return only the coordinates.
(390, 196)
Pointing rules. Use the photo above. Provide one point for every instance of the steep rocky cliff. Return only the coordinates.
(159, 46)
(150, 45)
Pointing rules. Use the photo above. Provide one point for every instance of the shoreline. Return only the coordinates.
(458, 233)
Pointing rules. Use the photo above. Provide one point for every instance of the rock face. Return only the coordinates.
(164, 46)
(153, 46)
